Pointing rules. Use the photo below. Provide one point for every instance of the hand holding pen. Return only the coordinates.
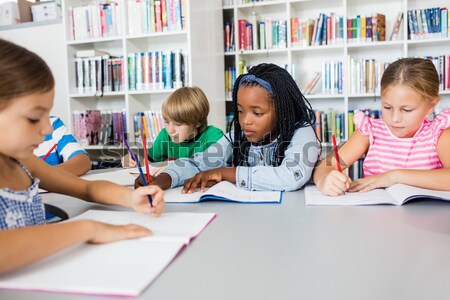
(141, 173)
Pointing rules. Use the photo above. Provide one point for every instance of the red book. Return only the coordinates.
(242, 34)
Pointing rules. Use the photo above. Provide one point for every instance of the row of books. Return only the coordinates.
(369, 28)
(355, 171)
(228, 35)
(99, 127)
(98, 74)
(442, 64)
(230, 77)
(94, 21)
(428, 23)
(267, 34)
(148, 16)
(148, 123)
(332, 77)
(329, 123)
(325, 30)
(332, 122)
(364, 75)
(157, 70)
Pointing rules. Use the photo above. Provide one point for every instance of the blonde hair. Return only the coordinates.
(22, 73)
(417, 73)
(187, 105)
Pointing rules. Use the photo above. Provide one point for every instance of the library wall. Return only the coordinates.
(48, 42)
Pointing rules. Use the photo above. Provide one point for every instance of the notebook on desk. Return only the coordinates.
(222, 191)
(117, 175)
(397, 194)
(123, 268)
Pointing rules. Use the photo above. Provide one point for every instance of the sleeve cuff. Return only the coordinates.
(243, 178)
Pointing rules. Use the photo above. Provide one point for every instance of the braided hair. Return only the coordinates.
(292, 111)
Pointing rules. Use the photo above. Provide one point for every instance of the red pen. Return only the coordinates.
(336, 155)
(147, 166)
(49, 151)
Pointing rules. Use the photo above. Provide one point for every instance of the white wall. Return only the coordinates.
(48, 42)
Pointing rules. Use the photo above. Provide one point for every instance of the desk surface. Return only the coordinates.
(292, 251)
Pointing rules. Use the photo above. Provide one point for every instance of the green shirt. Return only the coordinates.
(165, 149)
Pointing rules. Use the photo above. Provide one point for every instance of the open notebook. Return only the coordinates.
(224, 191)
(397, 194)
(120, 176)
(123, 268)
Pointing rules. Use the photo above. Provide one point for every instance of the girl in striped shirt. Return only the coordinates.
(402, 147)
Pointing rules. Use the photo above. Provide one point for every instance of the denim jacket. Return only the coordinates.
(294, 171)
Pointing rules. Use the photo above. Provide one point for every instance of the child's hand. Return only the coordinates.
(139, 200)
(106, 233)
(334, 183)
(202, 180)
(366, 184)
(128, 162)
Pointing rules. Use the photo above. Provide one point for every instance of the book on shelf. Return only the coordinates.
(157, 70)
(90, 53)
(307, 90)
(397, 194)
(396, 28)
(98, 127)
(428, 23)
(113, 268)
(222, 191)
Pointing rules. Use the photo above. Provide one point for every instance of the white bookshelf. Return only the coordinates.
(198, 39)
(308, 59)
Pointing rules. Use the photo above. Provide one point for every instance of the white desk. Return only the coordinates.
(290, 251)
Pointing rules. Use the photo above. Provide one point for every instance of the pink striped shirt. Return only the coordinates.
(388, 152)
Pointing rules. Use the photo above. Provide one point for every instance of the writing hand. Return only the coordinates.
(334, 183)
(139, 200)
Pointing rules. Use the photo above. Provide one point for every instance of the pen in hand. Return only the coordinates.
(135, 158)
(336, 154)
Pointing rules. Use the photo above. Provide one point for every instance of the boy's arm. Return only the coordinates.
(100, 191)
(75, 159)
(78, 164)
(215, 156)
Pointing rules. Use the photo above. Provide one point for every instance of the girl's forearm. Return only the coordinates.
(26, 245)
(438, 179)
(105, 192)
(229, 174)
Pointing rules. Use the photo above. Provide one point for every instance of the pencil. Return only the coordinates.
(49, 151)
(135, 158)
(147, 166)
(336, 155)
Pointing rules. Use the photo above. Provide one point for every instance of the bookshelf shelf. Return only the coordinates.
(157, 34)
(317, 48)
(97, 95)
(182, 55)
(340, 53)
(376, 44)
(261, 4)
(149, 92)
(92, 41)
(429, 41)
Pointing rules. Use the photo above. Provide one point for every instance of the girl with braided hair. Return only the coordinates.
(273, 145)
